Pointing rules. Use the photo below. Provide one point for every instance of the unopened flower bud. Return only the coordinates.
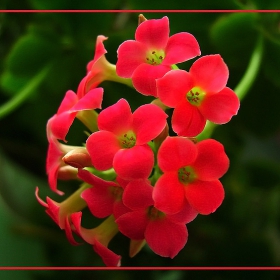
(78, 158)
(67, 173)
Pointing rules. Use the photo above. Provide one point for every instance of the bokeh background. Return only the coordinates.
(42, 55)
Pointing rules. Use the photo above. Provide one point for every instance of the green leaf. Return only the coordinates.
(30, 53)
(272, 62)
(235, 36)
(21, 96)
(17, 198)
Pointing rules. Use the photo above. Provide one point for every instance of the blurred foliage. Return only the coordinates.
(244, 231)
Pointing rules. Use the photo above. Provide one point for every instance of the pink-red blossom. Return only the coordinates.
(198, 95)
(165, 234)
(104, 197)
(99, 237)
(60, 214)
(191, 175)
(153, 53)
(98, 69)
(55, 166)
(59, 125)
(121, 141)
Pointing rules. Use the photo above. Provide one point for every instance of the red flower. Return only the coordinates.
(99, 237)
(98, 69)
(55, 166)
(165, 234)
(104, 197)
(58, 126)
(190, 175)
(198, 95)
(153, 53)
(122, 140)
(60, 212)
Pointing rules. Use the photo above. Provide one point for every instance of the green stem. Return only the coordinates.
(74, 202)
(26, 92)
(243, 86)
(112, 76)
(108, 175)
(89, 119)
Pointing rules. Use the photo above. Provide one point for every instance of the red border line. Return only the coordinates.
(139, 11)
(142, 268)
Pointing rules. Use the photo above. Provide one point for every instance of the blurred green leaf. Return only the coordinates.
(235, 36)
(16, 202)
(30, 53)
(73, 5)
(261, 5)
(28, 56)
(18, 187)
(272, 64)
(24, 93)
(269, 26)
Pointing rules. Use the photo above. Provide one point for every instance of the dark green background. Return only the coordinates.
(244, 231)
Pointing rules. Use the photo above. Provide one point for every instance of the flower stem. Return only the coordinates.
(243, 86)
(108, 175)
(27, 91)
(112, 76)
(74, 202)
(89, 119)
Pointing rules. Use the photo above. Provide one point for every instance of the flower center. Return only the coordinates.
(128, 140)
(195, 96)
(154, 213)
(155, 57)
(116, 193)
(186, 175)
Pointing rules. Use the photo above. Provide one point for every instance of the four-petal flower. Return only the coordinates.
(198, 95)
(121, 141)
(165, 234)
(191, 175)
(153, 53)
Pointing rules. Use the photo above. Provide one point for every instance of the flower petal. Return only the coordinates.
(108, 257)
(116, 118)
(205, 197)
(187, 120)
(153, 33)
(173, 87)
(133, 224)
(119, 208)
(59, 125)
(211, 162)
(99, 241)
(210, 73)
(131, 54)
(99, 197)
(220, 107)
(99, 200)
(166, 238)
(92, 100)
(102, 147)
(169, 194)
(181, 47)
(186, 215)
(145, 75)
(148, 122)
(138, 194)
(176, 152)
(69, 100)
(99, 51)
(134, 163)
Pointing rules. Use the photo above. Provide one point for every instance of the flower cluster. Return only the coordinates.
(146, 176)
